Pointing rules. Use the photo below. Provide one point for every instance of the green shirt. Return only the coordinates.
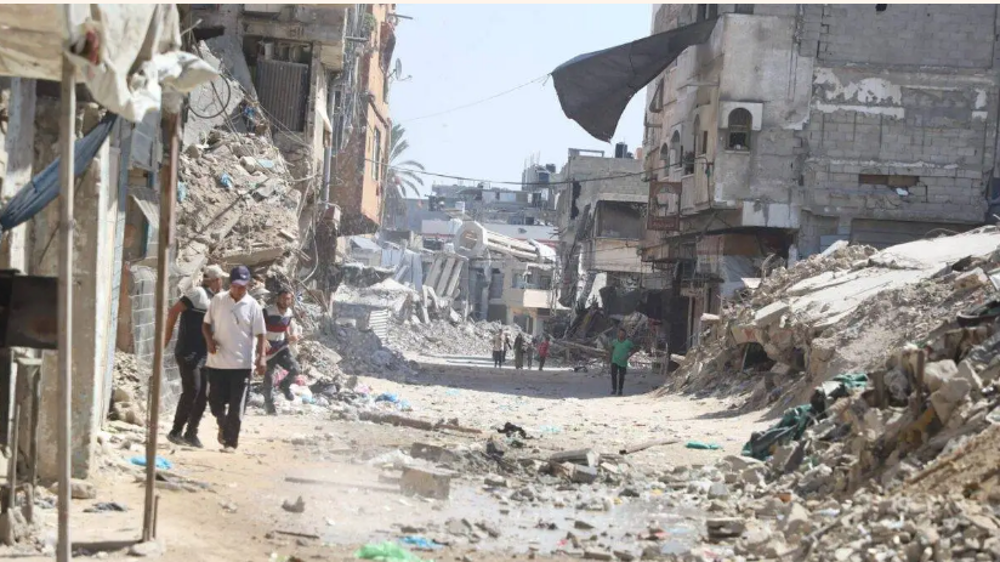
(620, 351)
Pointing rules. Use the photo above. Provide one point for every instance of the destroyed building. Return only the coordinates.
(792, 127)
(600, 206)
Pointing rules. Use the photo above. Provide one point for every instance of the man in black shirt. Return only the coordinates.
(190, 353)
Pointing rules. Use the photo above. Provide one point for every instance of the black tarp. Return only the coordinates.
(594, 88)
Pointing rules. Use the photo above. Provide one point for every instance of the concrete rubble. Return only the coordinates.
(240, 204)
(839, 312)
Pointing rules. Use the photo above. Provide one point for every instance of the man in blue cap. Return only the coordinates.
(234, 333)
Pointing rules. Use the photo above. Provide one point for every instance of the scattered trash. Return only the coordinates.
(298, 506)
(509, 429)
(386, 552)
(226, 181)
(420, 543)
(105, 507)
(703, 446)
(452, 392)
(182, 190)
(550, 429)
(161, 463)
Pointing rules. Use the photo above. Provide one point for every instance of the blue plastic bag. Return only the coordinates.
(161, 463)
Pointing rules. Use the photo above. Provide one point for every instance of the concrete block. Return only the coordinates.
(583, 474)
(770, 313)
(432, 453)
(936, 374)
(428, 483)
(970, 280)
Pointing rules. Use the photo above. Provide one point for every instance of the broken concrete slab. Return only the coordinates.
(970, 280)
(770, 314)
(726, 527)
(583, 474)
(432, 453)
(425, 482)
(936, 374)
(586, 457)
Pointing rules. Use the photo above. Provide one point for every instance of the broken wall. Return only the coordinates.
(902, 123)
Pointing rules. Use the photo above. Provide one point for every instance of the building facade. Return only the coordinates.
(320, 76)
(796, 126)
(599, 211)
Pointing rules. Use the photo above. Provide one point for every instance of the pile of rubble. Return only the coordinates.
(238, 203)
(839, 312)
(130, 380)
(363, 354)
(440, 337)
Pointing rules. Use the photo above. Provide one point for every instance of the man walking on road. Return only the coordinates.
(190, 353)
(622, 350)
(498, 349)
(234, 334)
(519, 351)
(543, 352)
(278, 320)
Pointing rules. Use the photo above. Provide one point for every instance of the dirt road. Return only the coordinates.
(240, 515)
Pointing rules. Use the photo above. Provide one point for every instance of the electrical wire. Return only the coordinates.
(544, 77)
(517, 183)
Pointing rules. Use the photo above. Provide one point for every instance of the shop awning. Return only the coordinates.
(595, 88)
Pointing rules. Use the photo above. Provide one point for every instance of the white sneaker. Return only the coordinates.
(230, 450)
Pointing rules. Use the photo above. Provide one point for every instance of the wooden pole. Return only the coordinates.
(168, 198)
(67, 135)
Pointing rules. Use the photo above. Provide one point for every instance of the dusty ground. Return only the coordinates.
(241, 516)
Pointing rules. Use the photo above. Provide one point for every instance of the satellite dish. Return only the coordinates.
(398, 69)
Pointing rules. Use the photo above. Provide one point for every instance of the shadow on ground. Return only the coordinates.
(556, 383)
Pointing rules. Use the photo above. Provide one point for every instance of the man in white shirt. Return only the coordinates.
(234, 334)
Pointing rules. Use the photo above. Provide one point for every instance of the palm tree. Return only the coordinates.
(400, 181)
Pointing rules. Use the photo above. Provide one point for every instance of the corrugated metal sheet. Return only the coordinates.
(378, 323)
(148, 201)
(283, 88)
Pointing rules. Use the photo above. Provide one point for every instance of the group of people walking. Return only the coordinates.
(524, 350)
(224, 338)
(620, 351)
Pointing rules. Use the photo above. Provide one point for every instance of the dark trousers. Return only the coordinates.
(541, 362)
(497, 359)
(284, 360)
(617, 378)
(194, 396)
(227, 396)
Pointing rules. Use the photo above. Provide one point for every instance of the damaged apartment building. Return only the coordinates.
(319, 75)
(600, 208)
(781, 129)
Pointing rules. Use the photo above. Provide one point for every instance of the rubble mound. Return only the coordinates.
(363, 354)
(806, 324)
(239, 203)
(441, 337)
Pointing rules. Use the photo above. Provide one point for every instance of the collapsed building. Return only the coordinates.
(775, 131)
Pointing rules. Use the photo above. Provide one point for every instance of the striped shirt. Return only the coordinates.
(278, 325)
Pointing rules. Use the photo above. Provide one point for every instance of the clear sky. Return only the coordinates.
(459, 54)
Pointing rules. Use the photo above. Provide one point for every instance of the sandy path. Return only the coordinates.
(237, 520)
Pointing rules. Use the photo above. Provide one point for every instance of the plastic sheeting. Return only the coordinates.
(125, 53)
(595, 88)
(44, 187)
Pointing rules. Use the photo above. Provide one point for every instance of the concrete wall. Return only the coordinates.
(96, 211)
(841, 91)
(910, 92)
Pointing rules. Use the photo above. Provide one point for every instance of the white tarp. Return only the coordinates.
(124, 53)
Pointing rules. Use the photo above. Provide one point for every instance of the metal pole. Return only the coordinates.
(168, 199)
(67, 135)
